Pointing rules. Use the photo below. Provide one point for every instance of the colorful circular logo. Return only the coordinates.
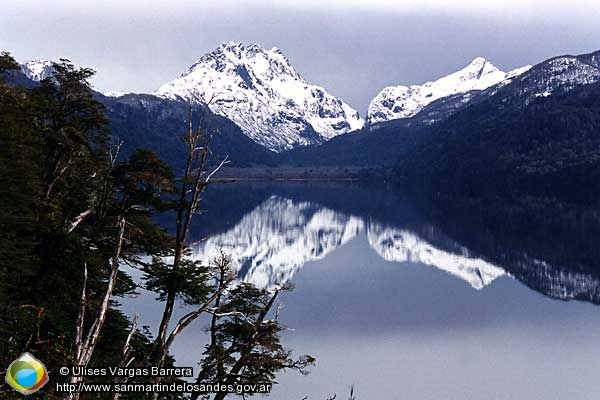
(26, 374)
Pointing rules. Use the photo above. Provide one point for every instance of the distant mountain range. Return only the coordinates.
(537, 132)
(259, 91)
(533, 126)
(254, 88)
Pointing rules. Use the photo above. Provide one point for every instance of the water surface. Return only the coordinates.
(406, 301)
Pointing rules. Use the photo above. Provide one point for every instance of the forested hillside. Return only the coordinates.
(549, 147)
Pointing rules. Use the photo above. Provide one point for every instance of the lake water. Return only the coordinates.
(406, 301)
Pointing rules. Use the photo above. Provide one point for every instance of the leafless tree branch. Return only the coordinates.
(81, 315)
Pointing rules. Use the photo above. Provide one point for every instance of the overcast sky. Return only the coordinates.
(352, 48)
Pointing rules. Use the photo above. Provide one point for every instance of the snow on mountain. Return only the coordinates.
(404, 246)
(115, 93)
(396, 102)
(516, 72)
(568, 72)
(260, 91)
(273, 241)
(37, 70)
(562, 73)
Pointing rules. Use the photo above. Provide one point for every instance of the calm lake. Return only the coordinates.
(407, 301)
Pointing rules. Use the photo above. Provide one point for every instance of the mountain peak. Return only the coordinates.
(231, 44)
(229, 56)
(37, 70)
(483, 67)
(395, 102)
(480, 72)
(263, 94)
(479, 62)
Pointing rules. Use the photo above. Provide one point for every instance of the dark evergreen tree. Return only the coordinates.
(245, 346)
(71, 212)
(63, 193)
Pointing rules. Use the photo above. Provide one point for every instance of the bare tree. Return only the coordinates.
(126, 358)
(84, 347)
(196, 177)
(122, 196)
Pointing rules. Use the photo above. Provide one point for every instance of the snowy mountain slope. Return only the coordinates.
(395, 102)
(115, 93)
(272, 242)
(37, 70)
(558, 74)
(260, 91)
(147, 121)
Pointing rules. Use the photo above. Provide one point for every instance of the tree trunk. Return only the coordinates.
(85, 348)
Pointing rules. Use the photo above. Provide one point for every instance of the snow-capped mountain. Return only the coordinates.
(260, 91)
(37, 70)
(273, 241)
(395, 102)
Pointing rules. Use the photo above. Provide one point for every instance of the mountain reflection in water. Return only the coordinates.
(272, 242)
(295, 224)
(384, 290)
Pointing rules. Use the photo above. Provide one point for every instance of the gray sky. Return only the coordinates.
(352, 48)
